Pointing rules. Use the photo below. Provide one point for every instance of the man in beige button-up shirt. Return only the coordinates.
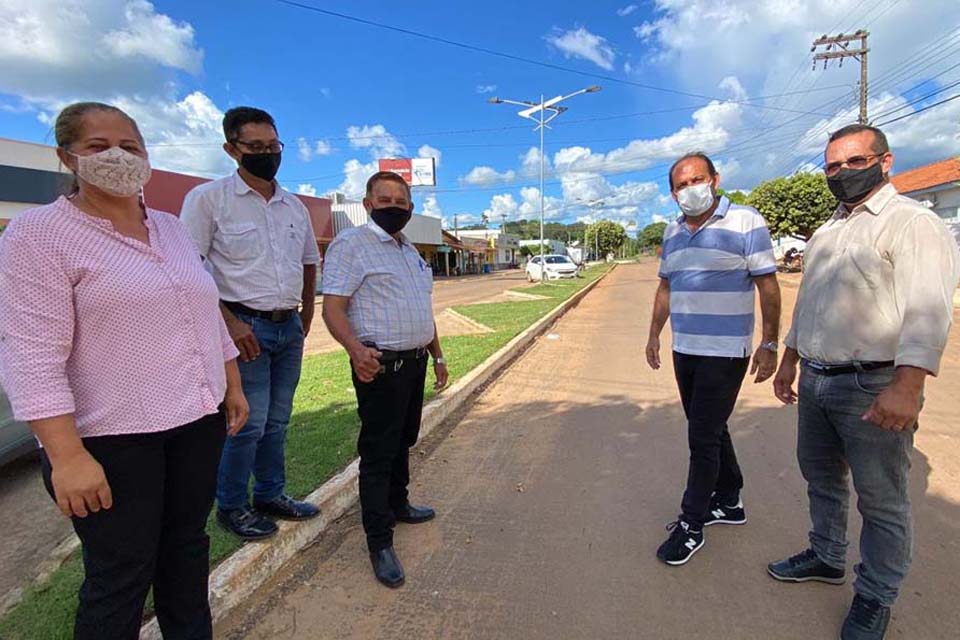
(871, 322)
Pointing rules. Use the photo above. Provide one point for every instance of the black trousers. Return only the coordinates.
(390, 409)
(154, 535)
(708, 389)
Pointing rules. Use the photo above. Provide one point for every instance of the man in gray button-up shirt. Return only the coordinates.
(377, 304)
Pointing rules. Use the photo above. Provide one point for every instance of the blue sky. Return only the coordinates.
(344, 93)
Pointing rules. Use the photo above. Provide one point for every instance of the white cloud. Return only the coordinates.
(182, 135)
(710, 132)
(375, 138)
(426, 151)
(627, 10)
(483, 176)
(154, 36)
(431, 207)
(486, 88)
(580, 43)
(322, 148)
(764, 42)
(304, 150)
(52, 50)
(530, 163)
(355, 175)
(733, 86)
(307, 190)
(307, 150)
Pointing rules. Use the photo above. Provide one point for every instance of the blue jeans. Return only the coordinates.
(834, 441)
(269, 383)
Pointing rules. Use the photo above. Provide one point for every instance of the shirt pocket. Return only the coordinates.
(294, 239)
(860, 267)
(240, 241)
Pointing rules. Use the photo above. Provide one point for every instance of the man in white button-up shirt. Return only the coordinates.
(377, 304)
(260, 247)
(871, 322)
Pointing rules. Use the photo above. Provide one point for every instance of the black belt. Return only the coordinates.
(840, 369)
(277, 315)
(392, 356)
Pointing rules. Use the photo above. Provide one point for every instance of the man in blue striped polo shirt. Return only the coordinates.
(714, 254)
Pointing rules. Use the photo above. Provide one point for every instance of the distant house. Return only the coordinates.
(935, 185)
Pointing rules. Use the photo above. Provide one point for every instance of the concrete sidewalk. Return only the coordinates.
(552, 493)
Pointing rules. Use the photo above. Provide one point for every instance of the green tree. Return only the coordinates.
(736, 197)
(794, 205)
(652, 235)
(609, 236)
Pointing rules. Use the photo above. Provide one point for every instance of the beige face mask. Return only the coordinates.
(116, 171)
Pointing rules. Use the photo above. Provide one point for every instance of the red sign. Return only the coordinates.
(400, 166)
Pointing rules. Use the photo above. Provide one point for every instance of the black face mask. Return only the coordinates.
(262, 165)
(391, 219)
(852, 185)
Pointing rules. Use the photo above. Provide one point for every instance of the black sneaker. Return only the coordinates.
(247, 523)
(681, 545)
(286, 508)
(805, 567)
(720, 513)
(867, 620)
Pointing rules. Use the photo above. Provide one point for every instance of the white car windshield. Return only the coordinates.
(557, 260)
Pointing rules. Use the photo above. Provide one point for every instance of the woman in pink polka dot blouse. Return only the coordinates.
(113, 348)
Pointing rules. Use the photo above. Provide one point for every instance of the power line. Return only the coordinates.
(508, 56)
(913, 113)
(476, 130)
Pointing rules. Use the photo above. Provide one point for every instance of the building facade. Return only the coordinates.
(503, 248)
(936, 186)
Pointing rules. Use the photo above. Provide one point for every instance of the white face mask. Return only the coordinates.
(115, 170)
(695, 200)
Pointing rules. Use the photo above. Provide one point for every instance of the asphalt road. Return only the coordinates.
(553, 491)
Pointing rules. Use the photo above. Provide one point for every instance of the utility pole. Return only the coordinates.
(838, 47)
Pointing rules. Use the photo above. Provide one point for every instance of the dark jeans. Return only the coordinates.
(708, 389)
(269, 383)
(154, 535)
(833, 440)
(390, 409)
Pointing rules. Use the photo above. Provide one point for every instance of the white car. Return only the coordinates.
(557, 266)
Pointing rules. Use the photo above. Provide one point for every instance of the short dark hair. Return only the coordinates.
(234, 119)
(389, 176)
(880, 144)
(696, 154)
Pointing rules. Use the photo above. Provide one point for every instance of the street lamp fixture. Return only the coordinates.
(542, 113)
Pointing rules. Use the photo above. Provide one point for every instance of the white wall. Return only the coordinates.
(28, 155)
(10, 209)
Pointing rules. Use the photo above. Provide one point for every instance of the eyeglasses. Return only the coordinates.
(856, 162)
(259, 147)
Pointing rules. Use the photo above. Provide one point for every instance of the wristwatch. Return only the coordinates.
(770, 346)
(440, 360)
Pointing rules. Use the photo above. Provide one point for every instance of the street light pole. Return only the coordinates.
(540, 109)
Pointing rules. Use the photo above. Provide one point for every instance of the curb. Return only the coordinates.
(251, 566)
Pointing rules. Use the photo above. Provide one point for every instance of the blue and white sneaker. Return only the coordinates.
(720, 513)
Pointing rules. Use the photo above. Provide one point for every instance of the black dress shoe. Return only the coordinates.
(386, 566)
(414, 515)
(287, 508)
(246, 523)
